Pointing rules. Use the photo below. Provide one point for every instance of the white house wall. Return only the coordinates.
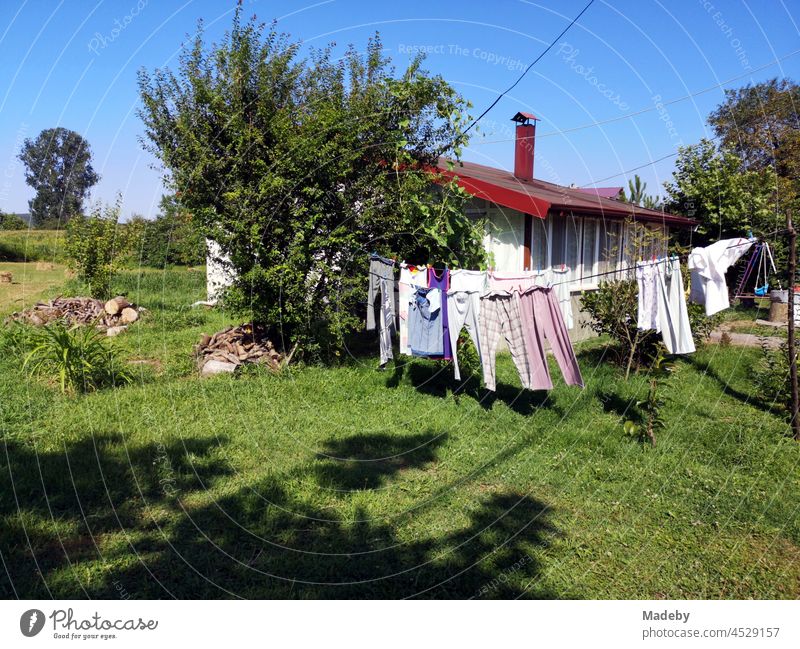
(219, 274)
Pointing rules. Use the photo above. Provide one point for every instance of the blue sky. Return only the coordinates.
(73, 63)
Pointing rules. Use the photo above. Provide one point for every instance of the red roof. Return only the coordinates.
(538, 197)
(605, 192)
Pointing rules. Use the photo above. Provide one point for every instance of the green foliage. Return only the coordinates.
(759, 124)
(771, 376)
(711, 186)
(11, 222)
(173, 238)
(80, 357)
(612, 309)
(300, 168)
(16, 339)
(637, 195)
(651, 407)
(32, 245)
(701, 324)
(58, 167)
(94, 246)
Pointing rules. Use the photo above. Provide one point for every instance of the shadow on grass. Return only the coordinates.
(57, 507)
(617, 405)
(103, 520)
(436, 380)
(366, 461)
(260, 543)
(753, 400)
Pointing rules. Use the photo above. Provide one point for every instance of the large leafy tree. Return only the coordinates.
(709, 184)
(759, 123)
(59, 168)
(300, 167)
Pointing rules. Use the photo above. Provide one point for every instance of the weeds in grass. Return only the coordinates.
(79, 356)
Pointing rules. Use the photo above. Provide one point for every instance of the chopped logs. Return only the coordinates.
(113, 316)
(231, 347)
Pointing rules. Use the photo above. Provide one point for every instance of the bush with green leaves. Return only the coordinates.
(300, 168)
(771, 376)
(82, 358)
(11, 222)
(173, 238)
(650, 420)
(612, 309)
(94, 247)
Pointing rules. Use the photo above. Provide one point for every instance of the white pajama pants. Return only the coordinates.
(463, 308)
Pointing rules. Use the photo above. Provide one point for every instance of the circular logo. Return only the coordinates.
(31, 622)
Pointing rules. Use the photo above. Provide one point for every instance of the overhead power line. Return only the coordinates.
(625, 173)
(646, 109)
(536, 60)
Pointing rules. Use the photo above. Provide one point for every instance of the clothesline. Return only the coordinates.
(630, 268)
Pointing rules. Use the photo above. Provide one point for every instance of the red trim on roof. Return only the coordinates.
(510, 198)
(538, 197)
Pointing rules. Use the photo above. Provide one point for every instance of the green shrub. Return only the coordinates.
(11, 222)
(650, 418)
(94, 247)
(172, 239)
(613, 312)
(771, 376)
(701, 324)
(80, 356)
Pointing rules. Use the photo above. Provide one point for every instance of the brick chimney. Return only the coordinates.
(524, 145)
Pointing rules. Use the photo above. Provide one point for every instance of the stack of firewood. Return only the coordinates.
(228, 349)
(113, 316)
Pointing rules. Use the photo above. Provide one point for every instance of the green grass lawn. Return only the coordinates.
(32, 281)
(350, 482)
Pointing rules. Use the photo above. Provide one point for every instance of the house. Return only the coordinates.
(536, 225)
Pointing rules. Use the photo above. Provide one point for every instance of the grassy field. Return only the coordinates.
(32, 245)
(350, 482)
(32, 281)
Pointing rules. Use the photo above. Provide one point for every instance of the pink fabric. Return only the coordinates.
(542, 319)
(511, 282)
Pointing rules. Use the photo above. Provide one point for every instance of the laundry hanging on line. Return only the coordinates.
(708, 266)
(524, 309)
(661, 303)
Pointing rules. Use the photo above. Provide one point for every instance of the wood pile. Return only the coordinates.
(228, 349)
(113, 316)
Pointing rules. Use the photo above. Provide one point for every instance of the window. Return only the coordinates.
(610, 247)
(591, 246)
(504, 239)
(540, 243)
(589, 261)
